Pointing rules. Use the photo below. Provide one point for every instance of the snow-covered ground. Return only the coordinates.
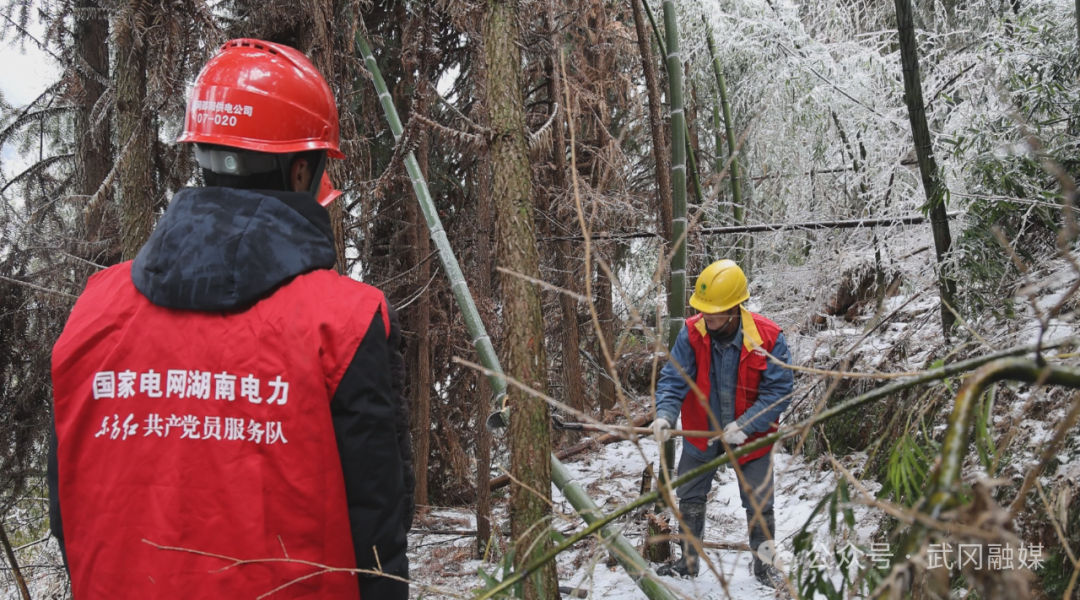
(909, 341)
(612, 475)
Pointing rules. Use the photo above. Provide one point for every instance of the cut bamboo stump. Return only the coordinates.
(657, 546)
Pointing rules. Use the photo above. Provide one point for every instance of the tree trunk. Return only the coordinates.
(931, 177)
(484, 240)
(523, 345)
(573, 380)
(656, 122)
(605, 312)
(692, 141)
(419, 319)
(135, 135)
(483, 403)
(93, 144)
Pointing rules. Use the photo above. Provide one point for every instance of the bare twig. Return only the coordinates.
(321, 569)
(38, 288)
(19, 581)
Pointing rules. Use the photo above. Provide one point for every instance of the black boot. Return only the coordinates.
(693, 516)
(764, 570)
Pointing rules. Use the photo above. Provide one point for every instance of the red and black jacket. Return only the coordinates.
(227, 393)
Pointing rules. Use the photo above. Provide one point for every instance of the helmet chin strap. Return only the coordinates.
(316, 177)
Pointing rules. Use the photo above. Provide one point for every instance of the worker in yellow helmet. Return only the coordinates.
(722, 349)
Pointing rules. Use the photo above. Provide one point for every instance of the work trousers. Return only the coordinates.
(757, 473)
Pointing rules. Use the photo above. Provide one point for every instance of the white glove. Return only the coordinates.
(733, 436)
(661, 430)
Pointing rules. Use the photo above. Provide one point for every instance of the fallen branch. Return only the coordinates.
(707, 545)
(443, 532)
(585, 444)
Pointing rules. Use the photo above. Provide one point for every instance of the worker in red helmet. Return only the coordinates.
(227, 393)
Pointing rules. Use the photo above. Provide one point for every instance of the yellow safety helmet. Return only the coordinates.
(720, 287)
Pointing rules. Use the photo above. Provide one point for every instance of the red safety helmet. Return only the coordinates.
(262, 97)
(327, 193)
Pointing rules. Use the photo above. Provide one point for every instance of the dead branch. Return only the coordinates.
(14, 564)
(38, 288)
(741, 546)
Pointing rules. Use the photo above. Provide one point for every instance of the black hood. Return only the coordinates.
(224, 249)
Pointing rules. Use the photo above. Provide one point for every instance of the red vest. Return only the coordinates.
(752, 363)
(207, 431)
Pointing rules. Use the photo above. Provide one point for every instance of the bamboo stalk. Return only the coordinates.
(677, 288)
(692, 164)
(729, 131)
(625, 552)
(679, 147)
(718, 140)
(933, 185)
(841, 224)
(655, 28)
(631, 561)
(458, 286)
(686, 128)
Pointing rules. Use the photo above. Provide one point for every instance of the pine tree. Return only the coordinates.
(573, 378)
(93, 141)
(656, 121)
(133, 127)
(523, 344)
